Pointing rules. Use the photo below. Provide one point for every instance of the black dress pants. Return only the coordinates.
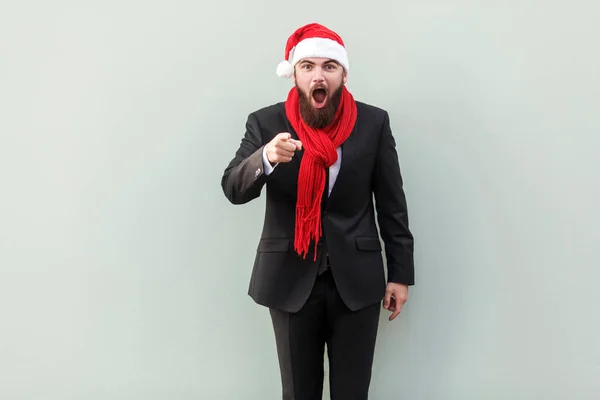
(350, 336)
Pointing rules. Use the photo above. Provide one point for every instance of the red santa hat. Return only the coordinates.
(312, 40)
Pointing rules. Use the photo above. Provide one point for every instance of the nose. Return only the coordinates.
(318, 75)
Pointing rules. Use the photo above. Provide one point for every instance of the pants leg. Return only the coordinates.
(350, 346)
(300, 340)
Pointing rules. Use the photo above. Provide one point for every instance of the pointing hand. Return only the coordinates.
(282, 148)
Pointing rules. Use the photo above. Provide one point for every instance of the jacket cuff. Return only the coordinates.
(267, 167)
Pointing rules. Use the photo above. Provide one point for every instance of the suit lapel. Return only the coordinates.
(349, 148)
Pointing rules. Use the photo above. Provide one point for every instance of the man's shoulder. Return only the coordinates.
(270, 111)
(370, 110)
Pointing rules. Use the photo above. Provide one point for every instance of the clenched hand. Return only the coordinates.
(282, 148)
(396, 295)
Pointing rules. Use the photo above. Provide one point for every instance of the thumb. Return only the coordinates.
(285, 136)
(297, 143)
(386, 300)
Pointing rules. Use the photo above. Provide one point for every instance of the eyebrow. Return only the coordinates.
(330, 61)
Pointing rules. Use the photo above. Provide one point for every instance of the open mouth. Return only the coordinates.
(319, 96)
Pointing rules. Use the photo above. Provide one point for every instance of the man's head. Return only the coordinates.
(319, 82)
(316, 59)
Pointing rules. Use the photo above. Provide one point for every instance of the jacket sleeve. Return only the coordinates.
(392, 213)
(245, 176)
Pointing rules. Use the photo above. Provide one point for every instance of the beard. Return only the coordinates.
(319, 118)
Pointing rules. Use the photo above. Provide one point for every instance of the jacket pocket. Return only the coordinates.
(368, 243)
(274, 245)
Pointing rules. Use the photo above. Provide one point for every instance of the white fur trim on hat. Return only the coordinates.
(285, 69)
(313, 47)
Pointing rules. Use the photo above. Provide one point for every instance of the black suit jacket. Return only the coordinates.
(281, 278)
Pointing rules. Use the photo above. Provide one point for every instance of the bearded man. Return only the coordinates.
(322, 157)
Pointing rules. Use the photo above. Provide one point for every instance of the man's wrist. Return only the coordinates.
(268, 167)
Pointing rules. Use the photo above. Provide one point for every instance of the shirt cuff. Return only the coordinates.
(267, 167)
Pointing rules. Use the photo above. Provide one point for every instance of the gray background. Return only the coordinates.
(124, 270)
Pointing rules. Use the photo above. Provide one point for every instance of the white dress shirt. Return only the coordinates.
(333, 170)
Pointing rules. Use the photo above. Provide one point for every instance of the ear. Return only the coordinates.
(345, 77)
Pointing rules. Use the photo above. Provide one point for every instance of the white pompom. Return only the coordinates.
(285, 69)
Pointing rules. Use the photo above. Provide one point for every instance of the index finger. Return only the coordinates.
(284, 136)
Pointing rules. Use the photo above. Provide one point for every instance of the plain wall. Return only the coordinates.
(124, 270)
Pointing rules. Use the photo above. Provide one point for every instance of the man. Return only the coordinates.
(319, 267)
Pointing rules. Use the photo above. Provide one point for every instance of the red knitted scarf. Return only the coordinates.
(319, 153)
